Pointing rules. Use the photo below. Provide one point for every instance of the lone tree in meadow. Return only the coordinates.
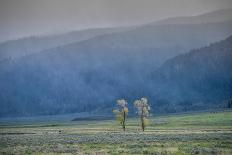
(121, 113)
(143, 109)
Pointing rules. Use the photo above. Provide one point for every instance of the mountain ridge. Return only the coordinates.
(209, 17)
(89, 75)
(202, 75)
(29, 45)
(69, 88)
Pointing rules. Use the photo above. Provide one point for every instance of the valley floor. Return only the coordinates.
(198, 133)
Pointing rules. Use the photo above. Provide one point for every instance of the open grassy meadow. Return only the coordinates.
(198, 133)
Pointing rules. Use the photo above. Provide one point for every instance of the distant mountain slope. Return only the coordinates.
(89, 75)
(65, 81)
(201, 76)
(150, 45)
(26, 46)
(211, 17)
(155, 35)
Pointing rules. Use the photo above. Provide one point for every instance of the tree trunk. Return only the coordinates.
(142, 120)
(124, 120)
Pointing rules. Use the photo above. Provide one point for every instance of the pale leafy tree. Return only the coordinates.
(143, 109)
(121, 113)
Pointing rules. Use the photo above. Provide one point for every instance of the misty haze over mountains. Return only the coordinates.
(211, 17)
(218, 21)
(180, 64)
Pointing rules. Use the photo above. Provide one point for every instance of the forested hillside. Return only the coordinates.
(88, 75)
(200, 78)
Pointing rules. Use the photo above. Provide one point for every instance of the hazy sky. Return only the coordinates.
(20, 18)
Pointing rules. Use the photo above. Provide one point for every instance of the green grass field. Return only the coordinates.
(198, 133)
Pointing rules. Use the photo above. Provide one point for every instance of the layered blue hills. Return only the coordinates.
(179, 66)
